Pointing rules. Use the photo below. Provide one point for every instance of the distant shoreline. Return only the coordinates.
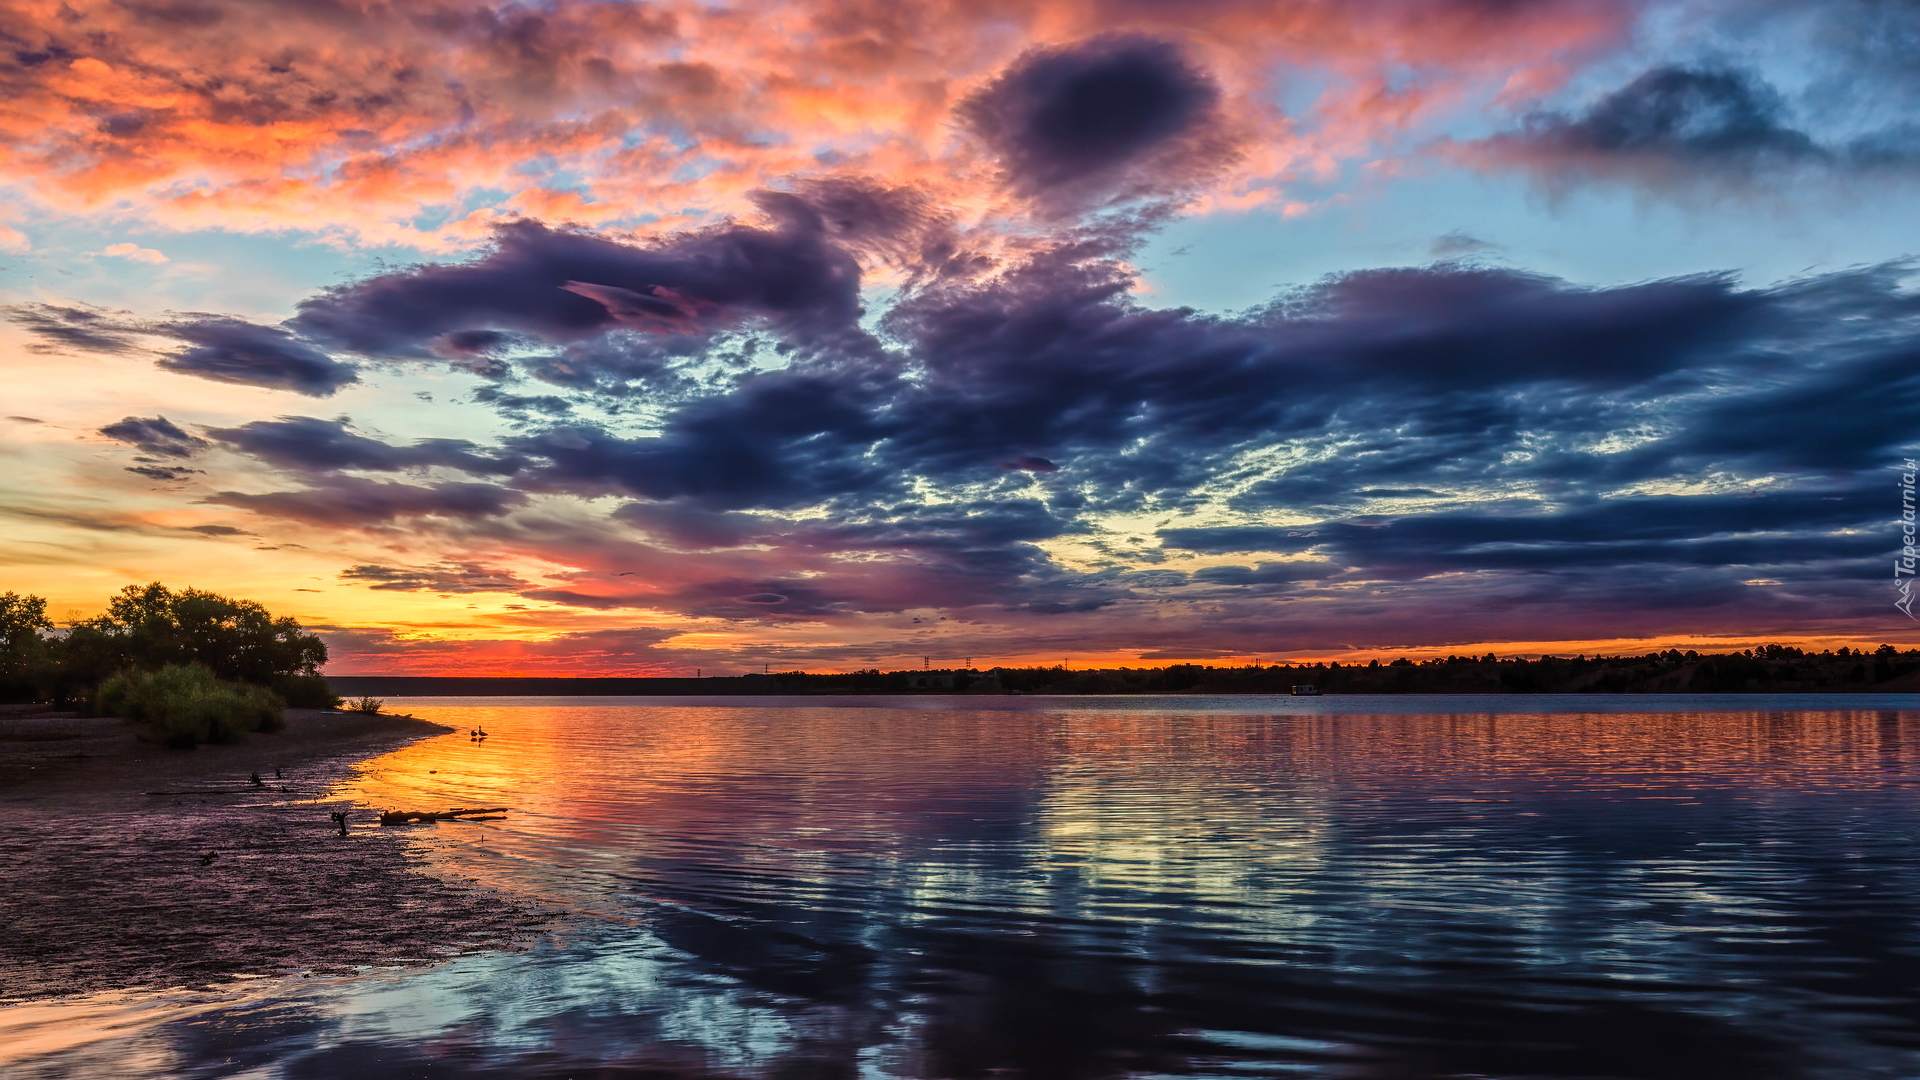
(407, 686)
(1767, 669)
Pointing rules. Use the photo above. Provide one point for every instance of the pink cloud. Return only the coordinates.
(134, 253)
(354, 121)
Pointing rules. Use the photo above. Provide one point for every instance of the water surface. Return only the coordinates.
(1090, 888)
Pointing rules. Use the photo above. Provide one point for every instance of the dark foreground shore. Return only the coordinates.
(126, 865)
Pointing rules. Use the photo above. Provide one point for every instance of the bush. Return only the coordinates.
(305, 692)
(367, 705)
(183, 705)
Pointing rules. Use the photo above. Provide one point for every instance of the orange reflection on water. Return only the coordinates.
(1205, 805)
(598, 786)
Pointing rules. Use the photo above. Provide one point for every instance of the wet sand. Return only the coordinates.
(126, 865)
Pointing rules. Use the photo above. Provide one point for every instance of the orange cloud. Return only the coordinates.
(364, 120)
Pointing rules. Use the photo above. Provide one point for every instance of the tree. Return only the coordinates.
(148, 627)
(24, 655)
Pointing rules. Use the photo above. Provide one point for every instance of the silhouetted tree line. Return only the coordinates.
(150, 628)
(1763, 668)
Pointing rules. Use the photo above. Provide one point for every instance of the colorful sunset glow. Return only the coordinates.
(608, 338)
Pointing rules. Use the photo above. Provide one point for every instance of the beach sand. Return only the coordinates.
(126, 865)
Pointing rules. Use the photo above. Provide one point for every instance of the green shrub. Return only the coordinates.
(305, 692)
(370, 706)
(183, 705)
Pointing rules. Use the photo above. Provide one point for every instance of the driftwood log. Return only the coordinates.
(422, 817)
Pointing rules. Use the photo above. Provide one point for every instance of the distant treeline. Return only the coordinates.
(158, 654)
(1768, 667)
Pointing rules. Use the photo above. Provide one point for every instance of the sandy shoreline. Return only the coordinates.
(106, 881)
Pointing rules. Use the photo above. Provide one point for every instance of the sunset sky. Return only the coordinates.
(634, 338)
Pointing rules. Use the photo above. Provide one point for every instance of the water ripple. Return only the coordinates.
(1066, 888)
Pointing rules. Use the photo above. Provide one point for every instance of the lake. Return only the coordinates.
(1064, 888)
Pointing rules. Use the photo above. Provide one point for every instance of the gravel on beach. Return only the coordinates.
(125, 865)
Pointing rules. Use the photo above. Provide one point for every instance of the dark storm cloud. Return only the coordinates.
(900, 226)
(155, 437)
(166, 473)
(1491, 425)
(690, 528)
(1051, 369)
(1030, 463)
(522, 406)
(1235, 539)
(1677, 126)
(161, 444)
(990, 539)
(782, 439)
(235, 351)
(442, 578)
(1685, 113)
(1123, 115)
(1710, 530)
(1047, 369)
(472, 342)
(476, 352)
(1849, 404)
(309, 444)
(74, 327)
(1057, 361)
(960, 530)
(563, 286)
(1266, 575)
(218, 347)
(764, 600)
(349, 502)
(618, 364)
(893, 575)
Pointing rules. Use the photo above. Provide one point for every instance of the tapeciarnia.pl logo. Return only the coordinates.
(1903, 564)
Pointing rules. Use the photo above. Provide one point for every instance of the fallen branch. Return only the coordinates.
(423, 817)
